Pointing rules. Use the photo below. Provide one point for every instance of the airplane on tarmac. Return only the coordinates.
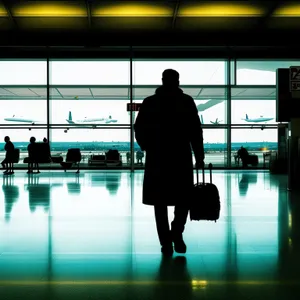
(216, 122)
(257, 120)
(21, 119)
(86, 120)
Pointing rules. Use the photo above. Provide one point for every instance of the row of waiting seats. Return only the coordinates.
(41, 154)
(109, 158)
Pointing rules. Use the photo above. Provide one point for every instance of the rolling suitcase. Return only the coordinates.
(205, 202)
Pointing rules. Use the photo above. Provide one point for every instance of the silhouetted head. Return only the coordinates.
(6, 139)
(32, 139)
(170, 78)
(45, 140)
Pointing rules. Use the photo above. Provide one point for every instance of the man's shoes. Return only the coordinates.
(167, 250)
(179, 246)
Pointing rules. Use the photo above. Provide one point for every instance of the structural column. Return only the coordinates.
(228, 112)
(294, 155)
(131, 114)
(48, 100)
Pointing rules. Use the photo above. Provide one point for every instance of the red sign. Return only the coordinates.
(133, 106)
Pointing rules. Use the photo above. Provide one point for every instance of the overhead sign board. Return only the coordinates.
(133, 106)
(294, 79)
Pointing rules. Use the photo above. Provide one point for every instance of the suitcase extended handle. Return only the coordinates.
(203, 176)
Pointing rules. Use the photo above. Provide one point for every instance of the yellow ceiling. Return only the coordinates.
(49, 9)
(288, 10)
(220, 10)
(132, 10)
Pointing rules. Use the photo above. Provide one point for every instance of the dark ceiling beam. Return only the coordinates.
(89, 15)
(273, 5)
(175, 13)
(6, 4)
(153, 53)
(94, 39)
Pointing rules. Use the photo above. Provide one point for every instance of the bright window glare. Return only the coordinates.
(191, 72)
(244, 136)
(23, 72)
(256, 77)
(90, 73)
(260, 72)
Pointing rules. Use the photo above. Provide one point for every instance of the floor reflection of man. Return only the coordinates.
(173, 279)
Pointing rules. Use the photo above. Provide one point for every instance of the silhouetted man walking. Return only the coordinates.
(167, 127)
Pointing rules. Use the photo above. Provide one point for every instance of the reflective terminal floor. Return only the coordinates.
(88, 236)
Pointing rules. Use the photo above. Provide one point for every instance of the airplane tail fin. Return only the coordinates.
(69, 120)
(247, 117)
(201, 119)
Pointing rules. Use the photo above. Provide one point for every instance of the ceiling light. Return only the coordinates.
(133, 10)
(3, 12)
(292, 10)
(220, 10)
(49, 9)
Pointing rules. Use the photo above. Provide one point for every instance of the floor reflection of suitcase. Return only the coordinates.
(205, 202)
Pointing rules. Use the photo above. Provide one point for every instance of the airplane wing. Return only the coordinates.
(208, 104)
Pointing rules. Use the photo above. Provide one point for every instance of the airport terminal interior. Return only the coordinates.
(74, 74)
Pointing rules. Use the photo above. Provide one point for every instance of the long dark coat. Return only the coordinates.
(167, 127)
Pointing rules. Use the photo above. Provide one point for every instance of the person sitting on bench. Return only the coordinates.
(32, 156)
(7, 162)
(243, 155)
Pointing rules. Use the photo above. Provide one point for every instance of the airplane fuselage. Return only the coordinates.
(258, 120)
(92, 121)
(22, 120)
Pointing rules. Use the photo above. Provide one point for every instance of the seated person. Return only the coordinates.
(139, 156)
(128, 157)
(243, 155)
(32, 156)
(9, 148)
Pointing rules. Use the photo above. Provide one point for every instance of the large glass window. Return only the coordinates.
(215, 146)
(257, 141)
(23, 91)
(89, 72)
(253, 105)
(22, 72)
(88, 98)
(192, 72)
(202, 80)
(92, 142)
(260, 72)
(86, 95)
